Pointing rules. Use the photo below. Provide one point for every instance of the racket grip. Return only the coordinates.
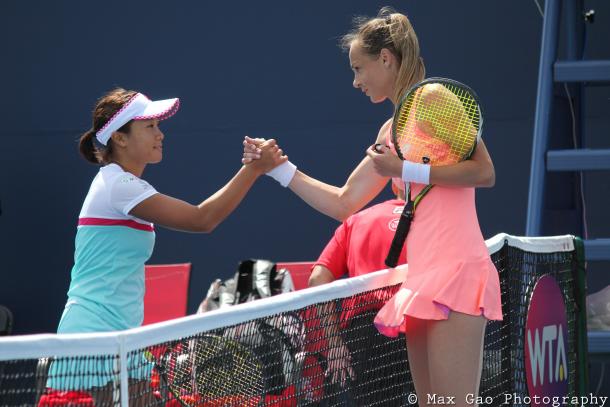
(402, 230)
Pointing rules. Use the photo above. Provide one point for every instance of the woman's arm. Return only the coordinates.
(478, 171)
(177, 214)
(339, 203)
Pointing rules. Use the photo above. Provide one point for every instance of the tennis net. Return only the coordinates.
(313, 347)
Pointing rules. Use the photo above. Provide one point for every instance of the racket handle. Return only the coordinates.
(402, 230)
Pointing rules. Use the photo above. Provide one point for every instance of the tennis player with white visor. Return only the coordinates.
(115, 234)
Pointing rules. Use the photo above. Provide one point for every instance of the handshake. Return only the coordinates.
(256, 150)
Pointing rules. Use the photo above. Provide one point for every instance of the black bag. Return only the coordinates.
(276, 340)
(254, 279)
(278, 343)
(260, 279)
(6, 321)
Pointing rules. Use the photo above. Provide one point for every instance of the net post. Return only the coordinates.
(124, 376)
(580, 298)
(506, 338)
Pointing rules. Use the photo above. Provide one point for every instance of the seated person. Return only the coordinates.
(375, 365)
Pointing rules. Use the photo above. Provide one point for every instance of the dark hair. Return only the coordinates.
(393, 31)
(106, 107)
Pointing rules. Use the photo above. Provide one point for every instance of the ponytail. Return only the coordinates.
(394, 32)
(412, 69)
(106, 107)
(87, 147)
(94, 152)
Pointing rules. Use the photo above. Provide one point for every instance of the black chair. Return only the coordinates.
(6, 321)
(6, 327)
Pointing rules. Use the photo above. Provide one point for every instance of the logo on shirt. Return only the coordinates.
(398, 209)
(393, 224)
(126, 180)
(143, 184)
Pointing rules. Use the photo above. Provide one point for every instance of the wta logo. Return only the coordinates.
(546, 338)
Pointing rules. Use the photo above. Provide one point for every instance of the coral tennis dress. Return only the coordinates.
(449, 265)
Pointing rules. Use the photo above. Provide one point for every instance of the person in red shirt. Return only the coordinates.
(360, 244)
(375, 365)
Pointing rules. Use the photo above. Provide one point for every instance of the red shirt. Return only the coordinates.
(360, 245)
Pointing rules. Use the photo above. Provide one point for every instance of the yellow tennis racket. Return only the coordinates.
(437, 122)
(210, 370)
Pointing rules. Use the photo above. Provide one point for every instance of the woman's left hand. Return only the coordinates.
(385, 163)
(252, 149)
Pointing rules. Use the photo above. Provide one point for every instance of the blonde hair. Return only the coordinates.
(393, 31)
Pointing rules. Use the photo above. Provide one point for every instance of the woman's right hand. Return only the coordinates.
(269, 156)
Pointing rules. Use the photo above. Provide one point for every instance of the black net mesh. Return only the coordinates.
(326, 354)
(62, 381)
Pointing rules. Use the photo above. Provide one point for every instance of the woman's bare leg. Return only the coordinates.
(417, 350)
(455, 358)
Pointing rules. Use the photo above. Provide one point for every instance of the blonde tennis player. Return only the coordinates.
(452, 287)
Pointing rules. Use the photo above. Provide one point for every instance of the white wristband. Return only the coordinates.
(283, 173)
(414, 172)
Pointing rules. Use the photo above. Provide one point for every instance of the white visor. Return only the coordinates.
(139, 107)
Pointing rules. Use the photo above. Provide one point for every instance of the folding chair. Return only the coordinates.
(299, 271)
(166, 291)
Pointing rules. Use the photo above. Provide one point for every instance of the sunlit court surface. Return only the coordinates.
(490, 150)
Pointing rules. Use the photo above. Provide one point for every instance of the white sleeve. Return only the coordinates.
(128, 191)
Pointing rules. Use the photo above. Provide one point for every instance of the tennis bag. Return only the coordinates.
(278, 341)
(253, 280)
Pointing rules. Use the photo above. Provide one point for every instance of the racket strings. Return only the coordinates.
(213, 368)
(454, 112)
(438, 117)
(437, 121)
